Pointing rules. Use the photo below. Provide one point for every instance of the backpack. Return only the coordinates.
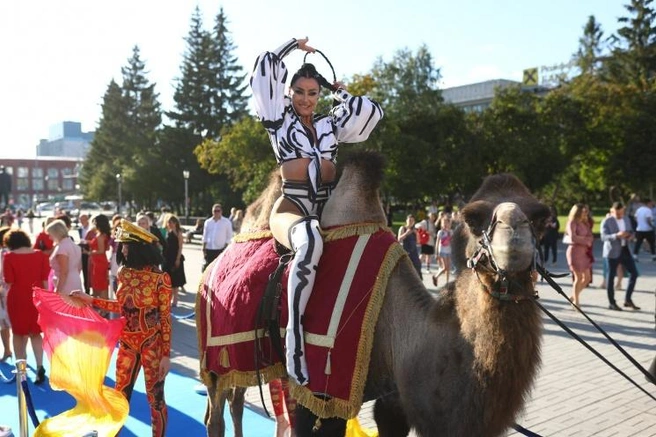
(423, 235)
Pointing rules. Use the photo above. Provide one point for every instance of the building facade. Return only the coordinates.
(477, 97)
(66, 139)
(42, 178)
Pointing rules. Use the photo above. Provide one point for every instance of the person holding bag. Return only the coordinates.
(580, 237)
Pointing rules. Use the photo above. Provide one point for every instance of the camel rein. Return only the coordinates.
(503, 285)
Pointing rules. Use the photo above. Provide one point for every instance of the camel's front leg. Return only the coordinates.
(214, 422)
(390, 420)
(236, 400)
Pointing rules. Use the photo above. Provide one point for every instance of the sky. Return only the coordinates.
(58, 57)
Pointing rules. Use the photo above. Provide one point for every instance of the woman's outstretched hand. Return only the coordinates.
(81, 296)
(302, 44)
(339, 85)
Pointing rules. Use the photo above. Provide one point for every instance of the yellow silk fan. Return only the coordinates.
(79, 345)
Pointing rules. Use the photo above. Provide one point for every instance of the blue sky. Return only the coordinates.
(57, 57)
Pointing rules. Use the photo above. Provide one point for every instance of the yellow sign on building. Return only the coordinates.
(530, 77)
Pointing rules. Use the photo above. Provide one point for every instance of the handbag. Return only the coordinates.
(567, 239)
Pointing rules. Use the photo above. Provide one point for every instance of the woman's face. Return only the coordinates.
(124, 250)
(143, 223)
(305, 95)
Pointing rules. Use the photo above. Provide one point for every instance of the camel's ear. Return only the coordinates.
(537, 213)
(477, 215)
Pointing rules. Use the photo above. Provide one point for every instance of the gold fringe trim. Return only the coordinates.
(347, 409)
(204, 376)
(235, 378)
(358, 229)
(248, 236)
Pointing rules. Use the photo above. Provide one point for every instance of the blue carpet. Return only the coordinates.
(186, 407)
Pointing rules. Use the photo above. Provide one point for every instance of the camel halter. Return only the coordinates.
(501, 287)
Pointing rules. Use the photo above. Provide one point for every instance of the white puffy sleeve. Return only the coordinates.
(268, 84)
(355, 117)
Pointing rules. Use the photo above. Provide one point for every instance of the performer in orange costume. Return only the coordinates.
(144, 299)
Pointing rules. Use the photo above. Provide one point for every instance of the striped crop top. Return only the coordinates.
(349, 122)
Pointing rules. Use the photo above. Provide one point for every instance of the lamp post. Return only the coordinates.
(185, 174)
(120, 194)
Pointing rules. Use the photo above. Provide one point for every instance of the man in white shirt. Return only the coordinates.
(217, 233)
(645, 229)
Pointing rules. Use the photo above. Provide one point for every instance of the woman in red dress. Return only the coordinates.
(98, 261)
(24, 268)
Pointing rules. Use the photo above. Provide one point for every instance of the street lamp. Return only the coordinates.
(185, 174)
(120, 194)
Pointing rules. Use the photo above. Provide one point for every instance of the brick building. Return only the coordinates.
(42, 178)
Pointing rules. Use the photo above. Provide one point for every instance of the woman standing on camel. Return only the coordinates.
(305, 146)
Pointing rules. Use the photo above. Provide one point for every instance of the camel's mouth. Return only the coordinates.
(512, 240)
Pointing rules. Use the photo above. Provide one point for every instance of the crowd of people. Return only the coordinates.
(430, 240)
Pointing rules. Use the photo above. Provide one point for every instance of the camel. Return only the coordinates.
(457, 364)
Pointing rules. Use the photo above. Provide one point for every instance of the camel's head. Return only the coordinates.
(504, 215)
(356, 198)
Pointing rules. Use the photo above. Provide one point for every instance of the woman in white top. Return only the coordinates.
(305, 146)
(65, 260)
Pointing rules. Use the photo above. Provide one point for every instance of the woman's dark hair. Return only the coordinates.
(101, 222)
(309, 71)
(140, 255)
(66, 219)
(15, 239)
(176, 222)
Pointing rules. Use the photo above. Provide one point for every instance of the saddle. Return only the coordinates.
(339, 320)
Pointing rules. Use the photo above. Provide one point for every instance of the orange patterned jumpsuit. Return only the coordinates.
(144, 299)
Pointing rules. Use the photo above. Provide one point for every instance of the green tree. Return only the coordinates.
(193, 93)
(420, 135)
(517, 140)
(231, 98)
(243, 155)
(633, 59)
(587, 57)
(141, 178)
(107, 153)
(209, 96)
(126, 140)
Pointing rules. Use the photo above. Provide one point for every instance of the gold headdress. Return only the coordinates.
(128, 232)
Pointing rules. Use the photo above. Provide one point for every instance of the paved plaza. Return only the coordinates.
(575, 394)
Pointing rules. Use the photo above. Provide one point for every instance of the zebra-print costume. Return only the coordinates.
(349, 122)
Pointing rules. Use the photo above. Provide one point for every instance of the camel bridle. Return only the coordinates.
(501, 288)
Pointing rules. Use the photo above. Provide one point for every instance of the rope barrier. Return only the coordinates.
(6, 380)
(183, 316)
(29, 403)
(520, 429)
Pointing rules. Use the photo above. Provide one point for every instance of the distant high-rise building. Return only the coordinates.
(66, 140)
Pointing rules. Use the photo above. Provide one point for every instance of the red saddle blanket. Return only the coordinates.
(339, 319)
